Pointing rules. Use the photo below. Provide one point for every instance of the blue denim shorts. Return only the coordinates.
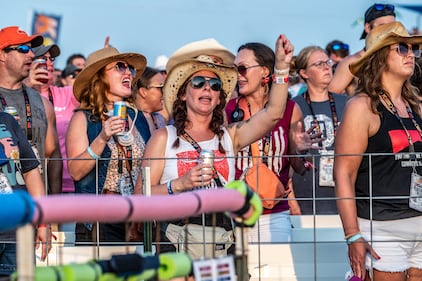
(7, 258)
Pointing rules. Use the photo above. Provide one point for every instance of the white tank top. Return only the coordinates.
(181, 159)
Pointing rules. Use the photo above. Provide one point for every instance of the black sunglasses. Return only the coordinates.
(46, 58)
(403, 50)
(243, 69)
(340, 46)
(384, 7)
(122, 67)
(199, 82)
(24, 49)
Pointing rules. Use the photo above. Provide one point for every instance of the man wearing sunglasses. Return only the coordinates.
(37, 116)
(16, 55)
(343, 80)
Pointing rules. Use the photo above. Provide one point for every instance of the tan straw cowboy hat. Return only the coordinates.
(206, 54)
(100, 58)
(381, 36)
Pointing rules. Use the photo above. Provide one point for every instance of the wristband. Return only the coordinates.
(169, 189)
(280, 79)
(354, 238)
(350, 235)
(92, 153)
(283, 72)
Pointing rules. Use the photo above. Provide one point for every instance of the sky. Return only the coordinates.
(159, 27)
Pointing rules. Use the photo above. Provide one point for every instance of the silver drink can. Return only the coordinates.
(121, 111)
(207, 157)
(11, 110)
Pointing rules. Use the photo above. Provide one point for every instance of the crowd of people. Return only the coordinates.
(311, 119)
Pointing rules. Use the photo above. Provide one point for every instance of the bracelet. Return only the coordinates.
(282, 72)
(92, 153)
(169, 189)
(350, 235)
(354, 238)
(280, 79)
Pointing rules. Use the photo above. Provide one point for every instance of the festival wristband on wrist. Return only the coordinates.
(354, 238)
(169, 188)
(281, 80)
(92, 153)
(282, 72)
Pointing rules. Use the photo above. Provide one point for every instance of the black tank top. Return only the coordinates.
(391, 173)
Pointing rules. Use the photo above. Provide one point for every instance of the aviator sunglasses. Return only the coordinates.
(403, 50)
(199, 82)
(24, 49)
(243, 69)
(121, 67)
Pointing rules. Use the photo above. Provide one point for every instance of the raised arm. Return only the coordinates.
(245, 133)
(342, 77)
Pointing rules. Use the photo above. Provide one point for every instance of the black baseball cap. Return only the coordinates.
(377, 11)
(70, 69)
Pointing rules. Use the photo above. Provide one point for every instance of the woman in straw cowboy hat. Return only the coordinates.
(383, 119)
(201, 76)
(96, 138)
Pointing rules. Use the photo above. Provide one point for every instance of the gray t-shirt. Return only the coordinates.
(305, 185)
(38, 118)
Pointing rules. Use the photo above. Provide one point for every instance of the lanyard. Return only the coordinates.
(332, 107)
(390, 104)
(124, 154)
(27, 111)
(199, 149)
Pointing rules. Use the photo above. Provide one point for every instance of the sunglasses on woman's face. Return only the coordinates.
(199, 82)
(23, 49)
(244, 69)
(403, 49)
(121, 67)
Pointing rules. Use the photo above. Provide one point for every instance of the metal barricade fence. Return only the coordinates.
(317, 250)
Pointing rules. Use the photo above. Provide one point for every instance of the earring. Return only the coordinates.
(265, 81)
